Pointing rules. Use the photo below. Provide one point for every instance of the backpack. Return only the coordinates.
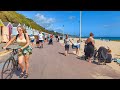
(18, 35)
(102, 54)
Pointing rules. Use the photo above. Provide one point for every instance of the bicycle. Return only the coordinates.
(10, 65)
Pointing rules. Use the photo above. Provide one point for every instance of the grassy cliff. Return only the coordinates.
(14, 17)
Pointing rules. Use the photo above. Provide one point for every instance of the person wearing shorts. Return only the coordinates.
(32, 40)
(41, 41)
(40, 36)
(24, 51)
(77, 46)
(45, 37)
(67, 47)
(37, 42)
(66, 42)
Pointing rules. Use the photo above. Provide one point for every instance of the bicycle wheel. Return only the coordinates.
(8, 69)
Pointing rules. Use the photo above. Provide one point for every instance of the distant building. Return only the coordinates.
(14, 31)
(23, 25)
(29, 30)
(1, 25)
(36, 32)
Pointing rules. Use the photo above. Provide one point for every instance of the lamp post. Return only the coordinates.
(80, 24)
(33, 32)
(63, 32)
(55, 33)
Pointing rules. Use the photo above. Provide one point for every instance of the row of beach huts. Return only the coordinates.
(8, 29)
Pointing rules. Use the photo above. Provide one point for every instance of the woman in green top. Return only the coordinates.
(25, 50)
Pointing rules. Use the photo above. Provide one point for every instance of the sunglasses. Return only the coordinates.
(20, 29)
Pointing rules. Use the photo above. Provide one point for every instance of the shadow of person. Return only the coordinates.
(17, 71)
(94, 62)
(61, 53)
(81, 57)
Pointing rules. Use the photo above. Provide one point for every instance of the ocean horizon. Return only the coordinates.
(103, 38)
(107, 38)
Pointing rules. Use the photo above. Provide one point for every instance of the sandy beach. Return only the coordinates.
(113, 45)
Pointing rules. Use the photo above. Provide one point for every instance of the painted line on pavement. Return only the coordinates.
(4, 52)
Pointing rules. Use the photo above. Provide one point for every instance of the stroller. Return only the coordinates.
(103, 56)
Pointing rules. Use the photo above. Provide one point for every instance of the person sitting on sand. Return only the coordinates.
(109, 56)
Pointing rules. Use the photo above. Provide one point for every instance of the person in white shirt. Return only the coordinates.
(41, 39)
(67, 44)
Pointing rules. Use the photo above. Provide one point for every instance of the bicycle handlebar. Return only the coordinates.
(10, 48)
(14, 51)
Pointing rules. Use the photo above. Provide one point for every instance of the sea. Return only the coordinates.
(107, 38)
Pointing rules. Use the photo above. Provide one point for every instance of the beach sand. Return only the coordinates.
(113, 45)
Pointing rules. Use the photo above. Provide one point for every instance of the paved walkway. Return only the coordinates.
(50, 63)
(1, 45)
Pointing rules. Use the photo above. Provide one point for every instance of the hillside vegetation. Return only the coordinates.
(14, 17)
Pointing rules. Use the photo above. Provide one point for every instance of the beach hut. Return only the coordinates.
(27, 29)
(36, 32)
(6, 31)
(1, 26)
(23, 25)
(32, 31)
(14, 30)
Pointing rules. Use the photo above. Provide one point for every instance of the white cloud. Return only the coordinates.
(112, 25)
(72, 17)
(106, 25)
(58, 29)
(43, 20)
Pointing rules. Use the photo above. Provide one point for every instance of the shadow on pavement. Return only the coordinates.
(94, 62)
(72, 53)
(83, 58)
(17, 72)
(61, 53)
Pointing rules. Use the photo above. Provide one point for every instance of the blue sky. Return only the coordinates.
(54, 20)
(101, 23)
